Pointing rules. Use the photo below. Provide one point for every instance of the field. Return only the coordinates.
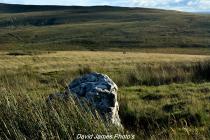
(160, 59)
(100, 28)
(161, 96)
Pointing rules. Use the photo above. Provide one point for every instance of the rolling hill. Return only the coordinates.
(27, 27)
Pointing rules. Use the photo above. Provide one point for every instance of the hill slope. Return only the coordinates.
(99, 28)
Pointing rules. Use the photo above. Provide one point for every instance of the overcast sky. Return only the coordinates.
(183, 5)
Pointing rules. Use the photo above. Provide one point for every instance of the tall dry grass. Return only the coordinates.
(26, 81)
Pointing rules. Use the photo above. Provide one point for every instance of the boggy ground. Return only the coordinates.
(161, 96)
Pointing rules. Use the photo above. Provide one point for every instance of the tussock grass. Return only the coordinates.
(161, 96)
(125, 69)
(176, 111)
(26, 119)
(25, 113)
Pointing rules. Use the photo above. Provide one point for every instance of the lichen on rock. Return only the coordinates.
(99, 91)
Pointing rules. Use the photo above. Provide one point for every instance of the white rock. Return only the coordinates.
(100, 91)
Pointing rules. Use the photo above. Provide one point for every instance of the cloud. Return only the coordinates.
(200, 4)
(185, 5)
(155, 3)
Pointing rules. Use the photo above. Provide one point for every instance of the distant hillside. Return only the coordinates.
(99, 28)
(203, 12)
(16, 8)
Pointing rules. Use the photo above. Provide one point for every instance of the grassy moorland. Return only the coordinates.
(164, 98)
(158, 58)
(101, 28)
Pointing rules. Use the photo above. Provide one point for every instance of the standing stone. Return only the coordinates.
(101, 92)
(98, 90)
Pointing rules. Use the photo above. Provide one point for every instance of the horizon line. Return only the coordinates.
(66, 5)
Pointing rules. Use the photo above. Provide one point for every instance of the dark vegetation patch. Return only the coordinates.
(204, 90)
(84, 70)
(153, 97)
(19, 53)
(63, 77)
(154, 75)
(202, 71)
(54, 73)
(48, 77)
(22, 53)
(173, 96)
(174, 107)
(150, 123)
(57, 79)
